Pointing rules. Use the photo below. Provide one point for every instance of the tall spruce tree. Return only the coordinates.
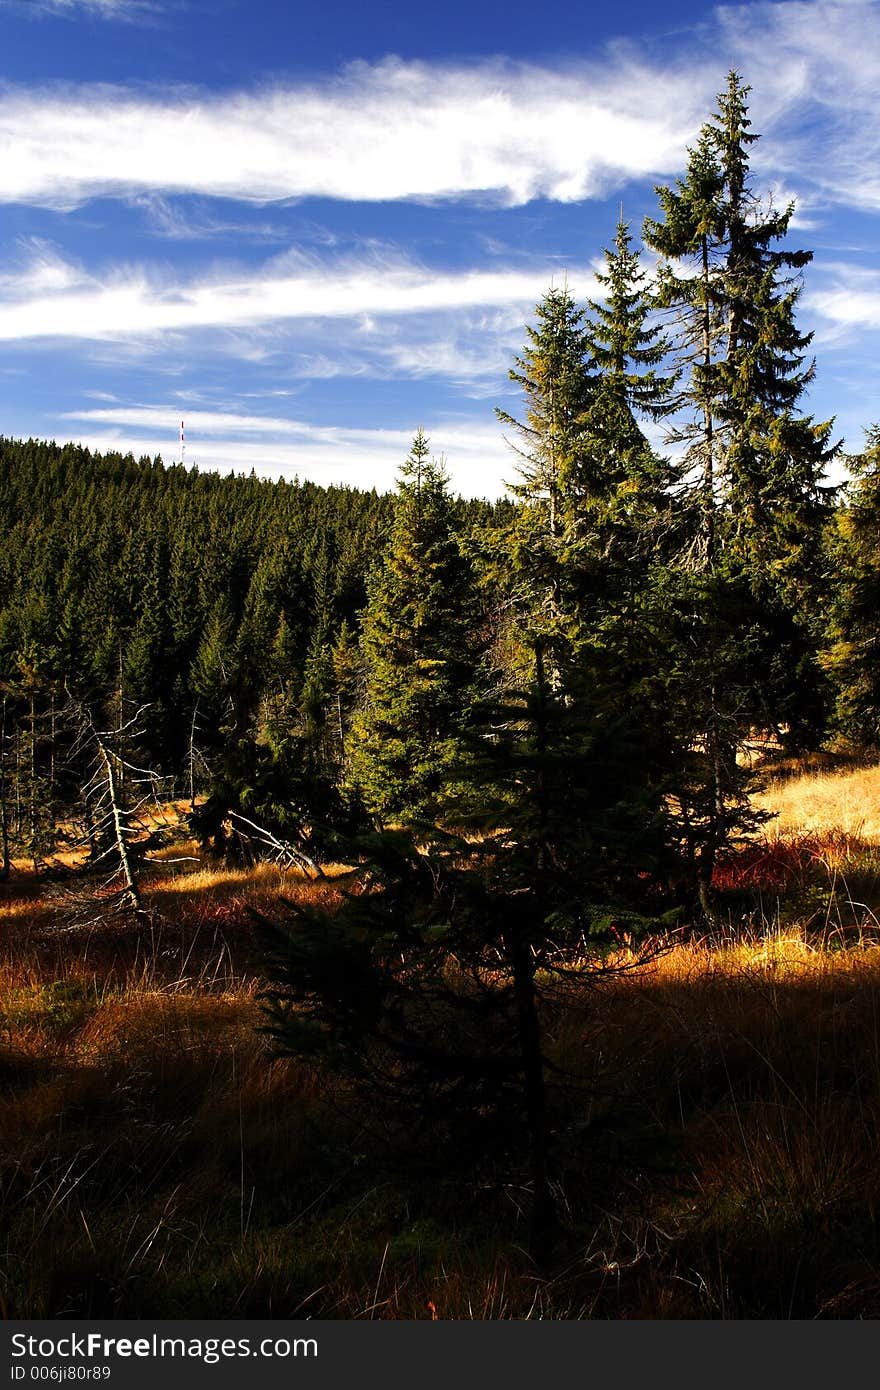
(621, 510)
(594, 489)
(687, 237)
(556, 387)
(851, 655)
(750, 570)
(579, 572)
(419, 650)
(734, 291)
(625, 349)
(553, 376)
(577, 560)
(432, 980)
(775, 458)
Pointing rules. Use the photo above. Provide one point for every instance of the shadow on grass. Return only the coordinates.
(715, 1124)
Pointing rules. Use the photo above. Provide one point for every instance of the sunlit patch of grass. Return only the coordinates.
(227, 894)
(846, 802)
(23, 906)
(818, 859)
(57, 1006)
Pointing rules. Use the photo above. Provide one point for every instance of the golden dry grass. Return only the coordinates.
(846, 801)
(182, 1139)
(718, 1109)
(157, 1159)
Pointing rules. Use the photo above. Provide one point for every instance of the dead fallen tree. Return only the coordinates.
(276, 850)
(115, 793)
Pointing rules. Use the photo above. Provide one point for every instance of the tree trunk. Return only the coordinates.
(535, 1097)
(6, 866)
(708, 422)
(32, 795)
(528, 1024)
(132, 892)
(192, 759)
(4, 814)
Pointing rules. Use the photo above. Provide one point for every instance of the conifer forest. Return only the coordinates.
(410, 906)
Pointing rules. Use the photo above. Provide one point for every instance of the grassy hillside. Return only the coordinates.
(718, 1114)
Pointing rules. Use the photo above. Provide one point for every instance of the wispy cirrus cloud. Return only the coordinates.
(101, 9)
(170, 221)
(816, 67)
(849, 302)
(472, 349)
(52, 298)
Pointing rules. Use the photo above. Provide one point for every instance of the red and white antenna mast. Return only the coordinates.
(182, 443)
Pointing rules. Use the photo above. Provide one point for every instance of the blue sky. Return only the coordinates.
(309, 229)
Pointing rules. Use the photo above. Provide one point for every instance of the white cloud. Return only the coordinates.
(390, 131)
(851, 301)
(398, 129)
(102, 9)
(471, 347)
(53, 298)
(477, 458)
(814, 66)
(40, 271)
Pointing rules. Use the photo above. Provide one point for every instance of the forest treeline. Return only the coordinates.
(204, 601)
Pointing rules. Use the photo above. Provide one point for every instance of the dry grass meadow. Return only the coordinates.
(718, 1124)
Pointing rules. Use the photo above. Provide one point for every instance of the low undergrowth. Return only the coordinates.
(824, 883)
(716, 1113)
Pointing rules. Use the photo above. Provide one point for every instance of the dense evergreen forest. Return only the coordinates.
(528, 718)
(210, 604)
